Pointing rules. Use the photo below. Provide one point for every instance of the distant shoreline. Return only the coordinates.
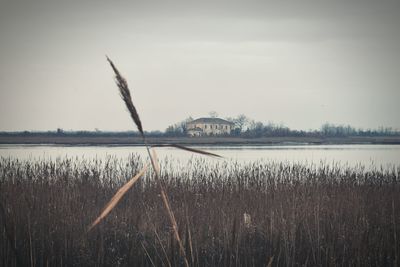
(227, 141)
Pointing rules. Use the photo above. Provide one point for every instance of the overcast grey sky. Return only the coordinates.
(301, 63)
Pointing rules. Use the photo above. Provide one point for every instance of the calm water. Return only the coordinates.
(367, 155)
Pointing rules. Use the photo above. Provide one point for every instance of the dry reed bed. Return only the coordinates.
(229, 214)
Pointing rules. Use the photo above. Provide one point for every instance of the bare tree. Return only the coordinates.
(241, 122)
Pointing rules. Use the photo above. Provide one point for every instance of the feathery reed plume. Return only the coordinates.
(117, 197)
(188, 149)
(126, 96)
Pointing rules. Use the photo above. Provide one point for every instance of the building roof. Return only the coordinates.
(211, 120)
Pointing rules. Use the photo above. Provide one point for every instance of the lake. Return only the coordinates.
(349, 155)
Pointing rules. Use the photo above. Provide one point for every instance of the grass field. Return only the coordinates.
(228, 214)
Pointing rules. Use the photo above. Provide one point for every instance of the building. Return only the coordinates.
(209, 126)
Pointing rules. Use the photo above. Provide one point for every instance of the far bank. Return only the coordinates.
(234, 141)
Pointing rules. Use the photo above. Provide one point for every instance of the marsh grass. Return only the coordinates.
(229, 214)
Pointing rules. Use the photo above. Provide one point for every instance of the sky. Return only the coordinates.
(299, 63)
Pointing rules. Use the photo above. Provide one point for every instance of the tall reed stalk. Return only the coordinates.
(127, 98)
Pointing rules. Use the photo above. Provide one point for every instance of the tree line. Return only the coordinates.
(244, 127)
(249, 128)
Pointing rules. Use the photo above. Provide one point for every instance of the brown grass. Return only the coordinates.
(301, 215)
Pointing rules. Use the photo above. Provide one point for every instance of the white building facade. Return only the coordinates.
(209, 126)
